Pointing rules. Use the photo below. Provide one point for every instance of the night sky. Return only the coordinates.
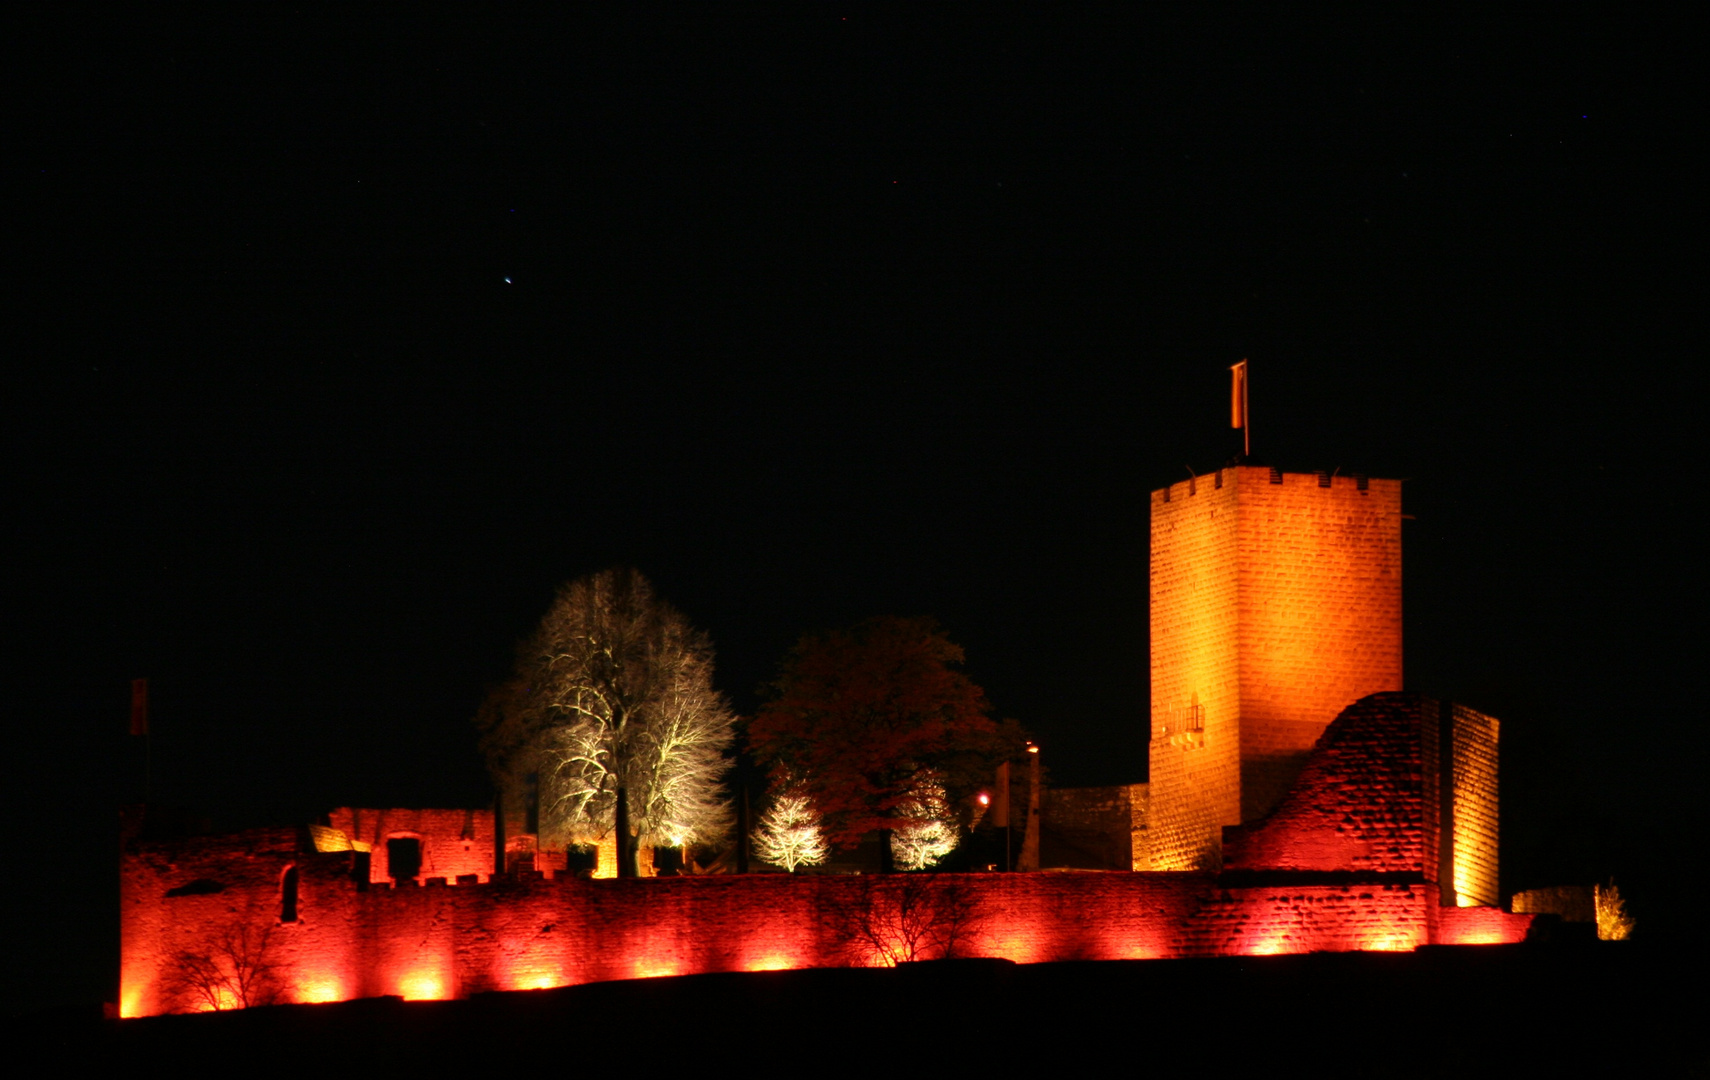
(337, 342)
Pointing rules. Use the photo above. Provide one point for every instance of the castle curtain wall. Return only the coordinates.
(1349, 860)
(443, 941)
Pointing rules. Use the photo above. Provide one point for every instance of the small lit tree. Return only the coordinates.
(1613, 922)
(235, 971)
(925, 830)
(890, 919)
(788, 833)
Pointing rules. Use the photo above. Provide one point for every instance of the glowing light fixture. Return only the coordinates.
(424, 986)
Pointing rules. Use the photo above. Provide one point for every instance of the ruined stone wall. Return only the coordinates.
(1108, 820)
(1476, 808)
(1574, 903)
(1358, 805)
(454, 843)
(530, 929)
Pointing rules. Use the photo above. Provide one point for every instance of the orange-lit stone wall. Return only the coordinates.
(532, 930)
(1476, 808)
(1268, 920)
(1481, 926)
(1344, 862)
(1195, 776)
(1371, 800)
(454, 843)
(1273, 606)
(1358, 805)
(535, 931)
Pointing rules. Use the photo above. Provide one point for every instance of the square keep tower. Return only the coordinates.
(1275, 603)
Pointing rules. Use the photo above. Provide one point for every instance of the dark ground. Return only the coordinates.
(1442, 1011)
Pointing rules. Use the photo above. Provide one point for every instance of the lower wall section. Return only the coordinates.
(1482, 926)
(196, 951)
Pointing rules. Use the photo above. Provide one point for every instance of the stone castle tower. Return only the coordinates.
(1275, 604)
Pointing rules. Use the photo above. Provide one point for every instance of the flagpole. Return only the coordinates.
(1238, 415)
(1246, 414)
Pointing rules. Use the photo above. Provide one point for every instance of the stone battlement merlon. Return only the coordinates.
(1323, 479)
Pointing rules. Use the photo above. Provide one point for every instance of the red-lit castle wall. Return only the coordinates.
(1275, 603)
(1346, 862)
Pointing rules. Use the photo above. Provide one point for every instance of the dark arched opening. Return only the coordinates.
(288, 896)
(404, 857)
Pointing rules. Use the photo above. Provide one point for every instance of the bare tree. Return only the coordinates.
(891, 919)
(614, 693)
(234, 971)
(788, 833)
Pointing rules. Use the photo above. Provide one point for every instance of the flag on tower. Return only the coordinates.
(139, 706)
(1238, 395)
(1238, 405)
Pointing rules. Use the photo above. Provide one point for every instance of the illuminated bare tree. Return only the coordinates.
(235, 971)
(614, 693)
(890, 919)
(788, 833)
(925, 830)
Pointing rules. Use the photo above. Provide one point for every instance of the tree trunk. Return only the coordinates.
(742, 832)
(625, 842)
(887, 862)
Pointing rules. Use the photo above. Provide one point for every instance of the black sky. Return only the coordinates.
(815, 314)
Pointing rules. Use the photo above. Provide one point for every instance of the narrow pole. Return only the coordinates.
(1030, 841)
(498, 834)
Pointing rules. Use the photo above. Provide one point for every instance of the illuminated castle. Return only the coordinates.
(1298, 801)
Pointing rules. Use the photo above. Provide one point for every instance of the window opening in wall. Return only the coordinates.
(1188, 718)
(1362, 481)
(404, 857)
(288, 896)
(1276, 475)
(1323, 477)
(1219, 481)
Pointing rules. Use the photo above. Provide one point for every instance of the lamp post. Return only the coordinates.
(1029, 859)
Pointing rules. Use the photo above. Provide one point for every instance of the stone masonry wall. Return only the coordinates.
(1476, 808)
(1111, 820)
(1273, 606)
(1194, 775)
(1358, 806)
(1319, 600)
(529, 930)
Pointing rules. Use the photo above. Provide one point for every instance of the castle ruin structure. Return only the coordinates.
(1299, 800)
